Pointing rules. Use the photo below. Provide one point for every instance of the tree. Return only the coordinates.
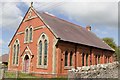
(110, 42)
(117, 53)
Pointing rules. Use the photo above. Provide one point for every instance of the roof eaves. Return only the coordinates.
(86, 44)
(109, 46)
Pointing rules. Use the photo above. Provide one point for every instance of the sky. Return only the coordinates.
(101, 15)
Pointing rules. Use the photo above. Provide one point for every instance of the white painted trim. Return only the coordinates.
(39, 27)
(29, 50)
(22, 32)
(33, 17)
(29, 16)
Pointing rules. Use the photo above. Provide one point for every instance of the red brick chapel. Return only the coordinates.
(46, 45)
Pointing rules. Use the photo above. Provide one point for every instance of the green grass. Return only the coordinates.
(20, 75)
(24, 76)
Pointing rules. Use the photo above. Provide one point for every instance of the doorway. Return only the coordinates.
(26, 63)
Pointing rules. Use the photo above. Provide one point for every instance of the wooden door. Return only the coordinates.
(26, 64)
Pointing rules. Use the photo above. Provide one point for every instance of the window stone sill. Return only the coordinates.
(42, 66)
(15, 65)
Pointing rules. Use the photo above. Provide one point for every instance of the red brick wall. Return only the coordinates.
(36, 22)
(60, 50)
(62, 47)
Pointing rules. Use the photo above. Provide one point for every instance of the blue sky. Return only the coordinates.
(102, 16)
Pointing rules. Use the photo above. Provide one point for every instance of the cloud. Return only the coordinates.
(89, 13)
(97, 13)
(10, 16)
(98, 31)
(1, 42)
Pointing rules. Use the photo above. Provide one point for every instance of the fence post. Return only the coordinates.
(2, 74)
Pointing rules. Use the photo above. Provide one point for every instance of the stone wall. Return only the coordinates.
(109, 70)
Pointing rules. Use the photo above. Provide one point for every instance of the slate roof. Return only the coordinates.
(70, 32)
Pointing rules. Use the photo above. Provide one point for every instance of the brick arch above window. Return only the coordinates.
(43, 36)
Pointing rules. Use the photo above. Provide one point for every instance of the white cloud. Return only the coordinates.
(100, 13)
(97, 13)
(98, 31)
(10, 16)
(1, 42)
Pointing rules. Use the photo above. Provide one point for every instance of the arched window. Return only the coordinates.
(98, 59)
(71, 54)
(83, 59)
(43, 50)
(26, 35)
(108, 59)
(16, 52)
(66, 58)
(40, 53)
(30, 34)
(86, 59)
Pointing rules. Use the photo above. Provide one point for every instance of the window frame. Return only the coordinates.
(83, 55)
(40, 53)
(26, 35)
(66, 58)
(71, 58)
(98, 61)
(30, 36)
(41, 39)
(15, 61)
(87, 59)
(45, 51)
